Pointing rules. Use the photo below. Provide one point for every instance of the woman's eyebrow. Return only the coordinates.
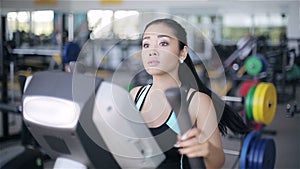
(146, 37)
(159, 36)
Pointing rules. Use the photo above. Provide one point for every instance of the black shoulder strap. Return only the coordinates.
(191, 97)
(141, 89)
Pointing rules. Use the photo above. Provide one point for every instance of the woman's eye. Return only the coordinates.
(163, 43)
(145, 45)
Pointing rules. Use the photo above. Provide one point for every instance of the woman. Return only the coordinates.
(165, 57)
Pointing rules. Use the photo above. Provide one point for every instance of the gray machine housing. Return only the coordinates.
(88, 120)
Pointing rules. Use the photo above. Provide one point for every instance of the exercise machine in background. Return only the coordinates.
(85, 122)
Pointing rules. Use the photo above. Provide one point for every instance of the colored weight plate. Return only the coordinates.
(267, 155)
(246, 148)
(253, 65)
(270, 104)
(256, 126)
(256, 102)
(251, 154)
(264, 62)
(249, 102)
(257, 152)
(245, 87)
(264, 103)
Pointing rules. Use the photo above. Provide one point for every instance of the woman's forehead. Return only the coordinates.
(159, 29)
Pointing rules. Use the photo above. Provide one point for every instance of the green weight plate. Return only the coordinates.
(253, 65)
(246, 148)
(249, 102)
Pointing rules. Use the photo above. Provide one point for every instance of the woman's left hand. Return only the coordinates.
(189, 144)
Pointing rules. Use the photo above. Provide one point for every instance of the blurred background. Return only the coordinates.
(222, 35)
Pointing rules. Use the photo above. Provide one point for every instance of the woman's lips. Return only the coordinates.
(153, 63)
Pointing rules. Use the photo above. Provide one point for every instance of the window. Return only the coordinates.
(126, 24)
(270, 25)
(30, 28)
(99, 22)
(42, 22)
(18, 21)
(108, 24)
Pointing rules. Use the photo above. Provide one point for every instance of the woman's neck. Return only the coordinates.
(165, 82)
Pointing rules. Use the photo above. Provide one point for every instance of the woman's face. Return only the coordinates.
(160, 51)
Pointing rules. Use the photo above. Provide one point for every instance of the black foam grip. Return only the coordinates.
(177, 99)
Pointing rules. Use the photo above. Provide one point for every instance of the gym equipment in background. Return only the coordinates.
(250, 44)
(292, 109)
(256, 64)
(82, 121)
(26, 154)
(257, 152)
(260, 102)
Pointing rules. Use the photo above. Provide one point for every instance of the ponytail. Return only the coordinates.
(227, 117)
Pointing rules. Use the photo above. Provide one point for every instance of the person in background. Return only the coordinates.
(70, 51)
(165, 57)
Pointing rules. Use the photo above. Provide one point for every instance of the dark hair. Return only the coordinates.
(228, 118)
(65, 34)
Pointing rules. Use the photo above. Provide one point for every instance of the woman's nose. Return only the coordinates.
(153, 52)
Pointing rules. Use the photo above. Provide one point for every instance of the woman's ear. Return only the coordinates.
(183, 53)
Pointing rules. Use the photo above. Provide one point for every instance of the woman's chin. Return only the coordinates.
(154, 71)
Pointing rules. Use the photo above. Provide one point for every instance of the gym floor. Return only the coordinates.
(286, 137)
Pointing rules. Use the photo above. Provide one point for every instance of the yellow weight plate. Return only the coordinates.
(269, 103)
(265, 100)
(261, 106)
(256, 103)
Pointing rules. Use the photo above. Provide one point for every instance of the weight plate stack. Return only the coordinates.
(257, 152)
(264, 103)
(245, 87)
(264, 62)
(247, 144)
(249, 103)
(253, 65)
(267, 155)
(251, 155)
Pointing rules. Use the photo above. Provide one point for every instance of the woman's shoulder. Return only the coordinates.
(198, 95)
(200, 102)
(135, 90)
(200, 106)
(138, 89)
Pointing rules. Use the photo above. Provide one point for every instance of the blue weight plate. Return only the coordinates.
(257, 152)
(267, 155)
(264, 62)
(246, 148)
(251, 154)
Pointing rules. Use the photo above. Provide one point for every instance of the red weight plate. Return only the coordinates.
(245, 87)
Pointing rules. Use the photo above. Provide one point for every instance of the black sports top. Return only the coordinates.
(165, 135)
